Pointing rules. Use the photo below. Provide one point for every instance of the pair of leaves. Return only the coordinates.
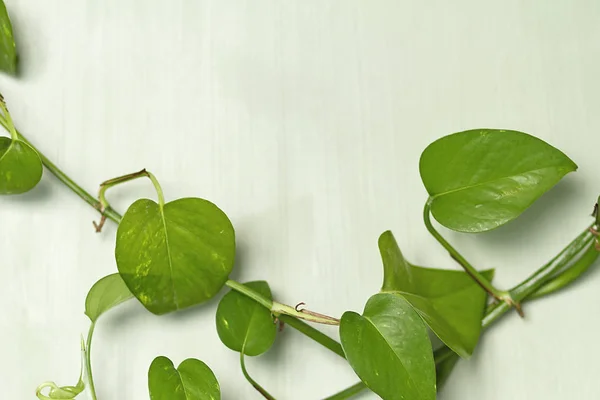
(450, 302)
(192, 380)
(481, 179)
(20, 166)
(175, 255)
(388, 345)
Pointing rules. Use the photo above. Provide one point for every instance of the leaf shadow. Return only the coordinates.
(30, 53)
(36, 196)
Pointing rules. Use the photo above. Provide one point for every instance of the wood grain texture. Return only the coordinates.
(304, 121)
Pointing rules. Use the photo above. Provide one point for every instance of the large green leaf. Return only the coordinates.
(243, 324)
(20, 167)
(8, 49)
(450, 302)
(192, 380)
(389, 349)
(481, 179)
(174, 256)
(107, 293)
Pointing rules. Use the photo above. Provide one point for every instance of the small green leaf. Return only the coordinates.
(174, 256)
(107, 293)
(481, 179)
(389, 349)
(8, 49)
(242, 323)
(449, 302)
(192, 380)
(20, 166)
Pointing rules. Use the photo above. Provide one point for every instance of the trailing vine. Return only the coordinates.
(174, 255)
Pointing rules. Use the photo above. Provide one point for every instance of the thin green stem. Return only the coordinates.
(248, 292)
(476, 275)
(282, 309)
(279, 309)
(158, 188)
(314, 334)
(104, 186)
(529, 286)
(569, 275)
(88, 362)
(255, 384)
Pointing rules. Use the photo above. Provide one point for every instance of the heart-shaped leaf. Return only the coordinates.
(481, 179)
(8, 49)
(20, 166)
(107, 293)
(192, 380)
(389, 349)
(450, 302)
(174, 256)
(242, 323)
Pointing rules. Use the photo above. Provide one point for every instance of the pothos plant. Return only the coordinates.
(178, 254)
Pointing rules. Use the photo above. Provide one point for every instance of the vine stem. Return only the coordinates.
(278, 309)
(64, 178)
(88, 362)
(254, 384)
(504, 296)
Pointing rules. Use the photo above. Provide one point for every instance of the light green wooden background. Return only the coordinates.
(304, 121)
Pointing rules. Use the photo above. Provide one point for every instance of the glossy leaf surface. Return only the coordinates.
(389, 349)
(175, 256)
(192, 380)
(450, 302)
(8, 49)
(20, 167)
(242, 323)
(481, 179)
(107, 293)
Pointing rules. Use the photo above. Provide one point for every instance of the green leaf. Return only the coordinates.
(481, 179)
(20, 166)
(107, 293)
(242, 323)
(389, 349)
(174, 256)
(8, 49)
(192, 380)
(449, 302)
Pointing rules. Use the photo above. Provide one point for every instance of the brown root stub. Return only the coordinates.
(99, 225)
